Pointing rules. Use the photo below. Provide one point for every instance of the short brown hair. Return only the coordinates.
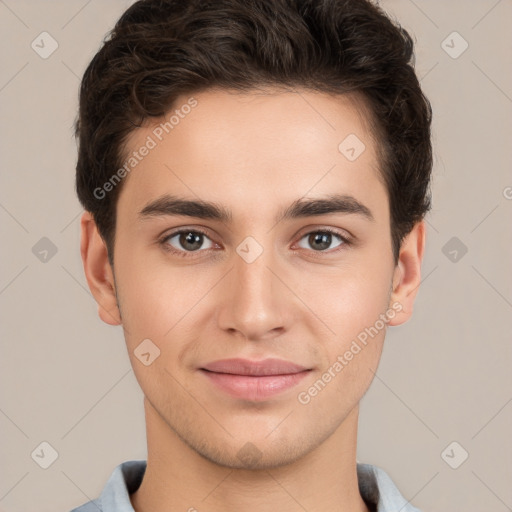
(161, 49)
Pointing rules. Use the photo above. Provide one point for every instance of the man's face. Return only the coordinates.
(254, 286)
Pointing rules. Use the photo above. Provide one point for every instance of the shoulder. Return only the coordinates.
(377, 488)
(91, 506)
(115, 497)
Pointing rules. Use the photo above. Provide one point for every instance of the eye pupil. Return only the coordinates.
(191, 240)
(323, 239)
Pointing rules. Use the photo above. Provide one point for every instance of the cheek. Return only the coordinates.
(160, 301)
(154, 306)
(341, 385)
(151, 301)
(354, 311)
(353, 304)
(350, 300)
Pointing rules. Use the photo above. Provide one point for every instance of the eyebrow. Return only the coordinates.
(169, 205)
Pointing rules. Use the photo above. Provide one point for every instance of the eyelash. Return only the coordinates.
(346, 241)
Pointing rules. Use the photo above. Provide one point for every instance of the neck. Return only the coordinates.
(178, 478)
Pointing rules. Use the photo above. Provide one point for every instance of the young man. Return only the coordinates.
(255, 177)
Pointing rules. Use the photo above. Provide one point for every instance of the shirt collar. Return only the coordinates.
(376, 488)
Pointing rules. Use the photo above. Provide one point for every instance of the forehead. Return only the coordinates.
(255, 148)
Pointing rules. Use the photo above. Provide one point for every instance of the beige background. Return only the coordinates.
(445, 375)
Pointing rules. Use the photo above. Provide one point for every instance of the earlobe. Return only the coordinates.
(98, 270)
(407, 274)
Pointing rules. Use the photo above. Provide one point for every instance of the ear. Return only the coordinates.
(407, 274)
(98, 271)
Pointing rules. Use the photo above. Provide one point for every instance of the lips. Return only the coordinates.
(254, 380)
(255, 368)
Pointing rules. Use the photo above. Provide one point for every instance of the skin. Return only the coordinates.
(253, 153)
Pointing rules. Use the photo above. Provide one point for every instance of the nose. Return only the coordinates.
(254, 302)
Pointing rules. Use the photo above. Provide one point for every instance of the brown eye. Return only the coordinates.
(187, 240)
(321, 240)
